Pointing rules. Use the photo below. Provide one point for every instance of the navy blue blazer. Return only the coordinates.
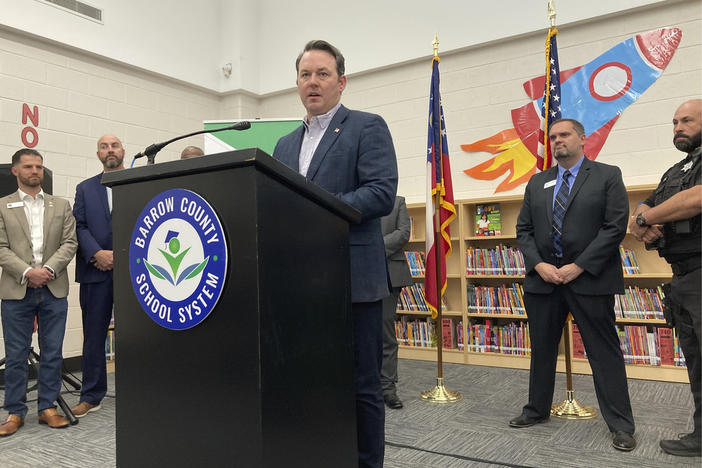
(93, 228)
(594, 225)
(355, 161)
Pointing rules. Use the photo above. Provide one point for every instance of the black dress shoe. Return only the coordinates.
(623, 441)
(689, 445)
(393, 401)
(525, 421)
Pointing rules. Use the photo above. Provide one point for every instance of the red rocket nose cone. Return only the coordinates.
(658, 46)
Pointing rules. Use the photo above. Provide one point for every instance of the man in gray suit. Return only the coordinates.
(350, 154)
(37, 241)
(396, 232)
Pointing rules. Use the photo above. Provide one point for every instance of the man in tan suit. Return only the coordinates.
(37, 241)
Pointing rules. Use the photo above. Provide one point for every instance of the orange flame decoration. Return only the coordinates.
(513, 157)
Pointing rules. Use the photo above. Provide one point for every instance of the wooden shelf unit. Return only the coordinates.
(654, 271)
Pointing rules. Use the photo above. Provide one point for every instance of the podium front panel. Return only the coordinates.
(267, 377)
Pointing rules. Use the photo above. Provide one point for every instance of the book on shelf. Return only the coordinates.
(640, 344)
(629, 263)
(667, 348)
(416, 264)
(110, 345)
(504, 299)
(639, 303)
(413, 234)
(413, 298)
(488, 221)
(421, 333)
(488, 337)
(578, 345)
(502, 260)
(447, 334)
(417, 333)
(653, 346)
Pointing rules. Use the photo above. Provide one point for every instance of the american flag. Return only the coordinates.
(438, 181)
(551, 107)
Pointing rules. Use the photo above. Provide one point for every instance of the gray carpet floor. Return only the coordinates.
(470, 433)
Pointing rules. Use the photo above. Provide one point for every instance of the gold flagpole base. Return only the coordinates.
(440, 394)
(571, 409)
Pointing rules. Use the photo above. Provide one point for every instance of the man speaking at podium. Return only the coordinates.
(351, 155)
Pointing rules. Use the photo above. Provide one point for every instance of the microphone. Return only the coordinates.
(151, 150)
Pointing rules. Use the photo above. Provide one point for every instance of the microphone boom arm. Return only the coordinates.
(151, 150)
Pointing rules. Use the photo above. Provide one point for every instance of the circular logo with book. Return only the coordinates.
(178, 259)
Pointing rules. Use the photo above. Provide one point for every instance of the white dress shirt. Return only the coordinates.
(34, 210)
(314, 131)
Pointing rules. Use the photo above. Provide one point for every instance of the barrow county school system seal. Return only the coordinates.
(178, 259)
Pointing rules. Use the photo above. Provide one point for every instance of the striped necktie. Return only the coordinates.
(559, 213)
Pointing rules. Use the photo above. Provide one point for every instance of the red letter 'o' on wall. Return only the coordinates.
(35, 137)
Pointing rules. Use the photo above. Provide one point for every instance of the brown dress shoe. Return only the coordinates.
(11, 425)
(51, 417)
(83, 408)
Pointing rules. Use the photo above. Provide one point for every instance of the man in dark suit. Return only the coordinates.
(396, 229)
(350, 154)
(94, 263)
(569, 228)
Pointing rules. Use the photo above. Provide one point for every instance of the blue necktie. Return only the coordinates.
(559, 213)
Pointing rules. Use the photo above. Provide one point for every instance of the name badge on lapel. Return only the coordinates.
(550, 183)
(16, 204)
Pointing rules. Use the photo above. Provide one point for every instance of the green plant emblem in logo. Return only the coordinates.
(174, 257)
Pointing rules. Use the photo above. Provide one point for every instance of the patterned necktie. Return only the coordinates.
(559, 213)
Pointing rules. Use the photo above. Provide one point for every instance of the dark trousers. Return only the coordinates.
(595, 318)
(388, 371)
(370, 408)
(685, 291)
(17, 328)
(96, 304)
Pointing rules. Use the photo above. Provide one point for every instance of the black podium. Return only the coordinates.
(266, 379)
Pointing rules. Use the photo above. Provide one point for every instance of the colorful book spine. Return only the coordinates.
(653, 346)
(415, 261)
(502, 260)
(447, 333)
(110, 345)
(511, 338)
(629, 263)
(578, 345)
(504, 299)
(413, 298)
(421, 333)
(637, 303)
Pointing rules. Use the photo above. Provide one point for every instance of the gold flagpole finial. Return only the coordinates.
(552, 13)
(436, 45)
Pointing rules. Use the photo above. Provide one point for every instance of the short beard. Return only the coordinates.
(28, 182)
(687, 144)
(561, 154)
(111, 163)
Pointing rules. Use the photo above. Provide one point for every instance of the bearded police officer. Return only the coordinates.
(669, 220)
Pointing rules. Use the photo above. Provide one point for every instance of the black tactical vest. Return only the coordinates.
(681, 238)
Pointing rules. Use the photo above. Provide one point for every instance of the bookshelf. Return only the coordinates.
(653, 271)
(110, 346)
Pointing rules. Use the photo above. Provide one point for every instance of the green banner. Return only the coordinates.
(263, 134)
